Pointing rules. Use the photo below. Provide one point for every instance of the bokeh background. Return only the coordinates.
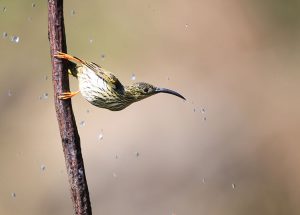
(231, 148)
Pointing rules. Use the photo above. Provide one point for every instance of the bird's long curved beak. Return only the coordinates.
(164, 90)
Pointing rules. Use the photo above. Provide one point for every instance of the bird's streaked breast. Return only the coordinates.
(97, 91)
(92, 85)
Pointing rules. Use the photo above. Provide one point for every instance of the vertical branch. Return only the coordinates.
(64, 113)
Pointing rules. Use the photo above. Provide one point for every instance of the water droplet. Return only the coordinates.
(82, 123)
(87, 111)
(43, 167)
(44, 96)
(233, 186)
(14, 195)
(100, 136)
(186, 25)
(133, 77)
(102, 56)
(4, 35)
(194, 109)
(91, 41)
(168, 78)
(33, 5)
(9, 93)
(137, 154)
(203, 180)
(15, 39)
(203, 110)
(116, 156)
(45, 77)
(72, 12)
(4, 9)
(115, 175)
(204, 118)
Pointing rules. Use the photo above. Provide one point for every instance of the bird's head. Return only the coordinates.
(143, 90)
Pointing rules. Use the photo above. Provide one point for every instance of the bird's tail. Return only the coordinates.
(73, 69)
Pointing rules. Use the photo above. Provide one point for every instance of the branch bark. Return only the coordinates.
(64, 112)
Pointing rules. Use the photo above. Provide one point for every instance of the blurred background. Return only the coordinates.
(231, 148)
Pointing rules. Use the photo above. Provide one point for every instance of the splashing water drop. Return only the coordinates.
(133, 77)
(82, 123)
(137, 154)
(233, 186)
(4, 35)
(102, 56)
(14, 195)
(15, 39)
(9, 93)
(43, 167)
(100, 137)
(45, 95)
(33, 5)
(72, 12)
(4, 9)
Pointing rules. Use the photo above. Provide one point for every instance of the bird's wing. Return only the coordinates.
(99, 71)
(105, 75)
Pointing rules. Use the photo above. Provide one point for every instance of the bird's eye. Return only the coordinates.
(146, 90)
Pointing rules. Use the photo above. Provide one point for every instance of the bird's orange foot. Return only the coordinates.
(67, 95)
(62, 55)
(67, 57)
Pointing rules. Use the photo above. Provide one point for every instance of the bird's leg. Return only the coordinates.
(67, 57)
(68, 95)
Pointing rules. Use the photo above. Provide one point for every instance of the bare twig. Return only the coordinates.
(66, 121)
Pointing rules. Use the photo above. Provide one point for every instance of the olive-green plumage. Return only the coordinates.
(102, 89)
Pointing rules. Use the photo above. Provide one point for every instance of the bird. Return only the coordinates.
(102, 89)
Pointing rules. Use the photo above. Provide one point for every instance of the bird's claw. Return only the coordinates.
(67, 95)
